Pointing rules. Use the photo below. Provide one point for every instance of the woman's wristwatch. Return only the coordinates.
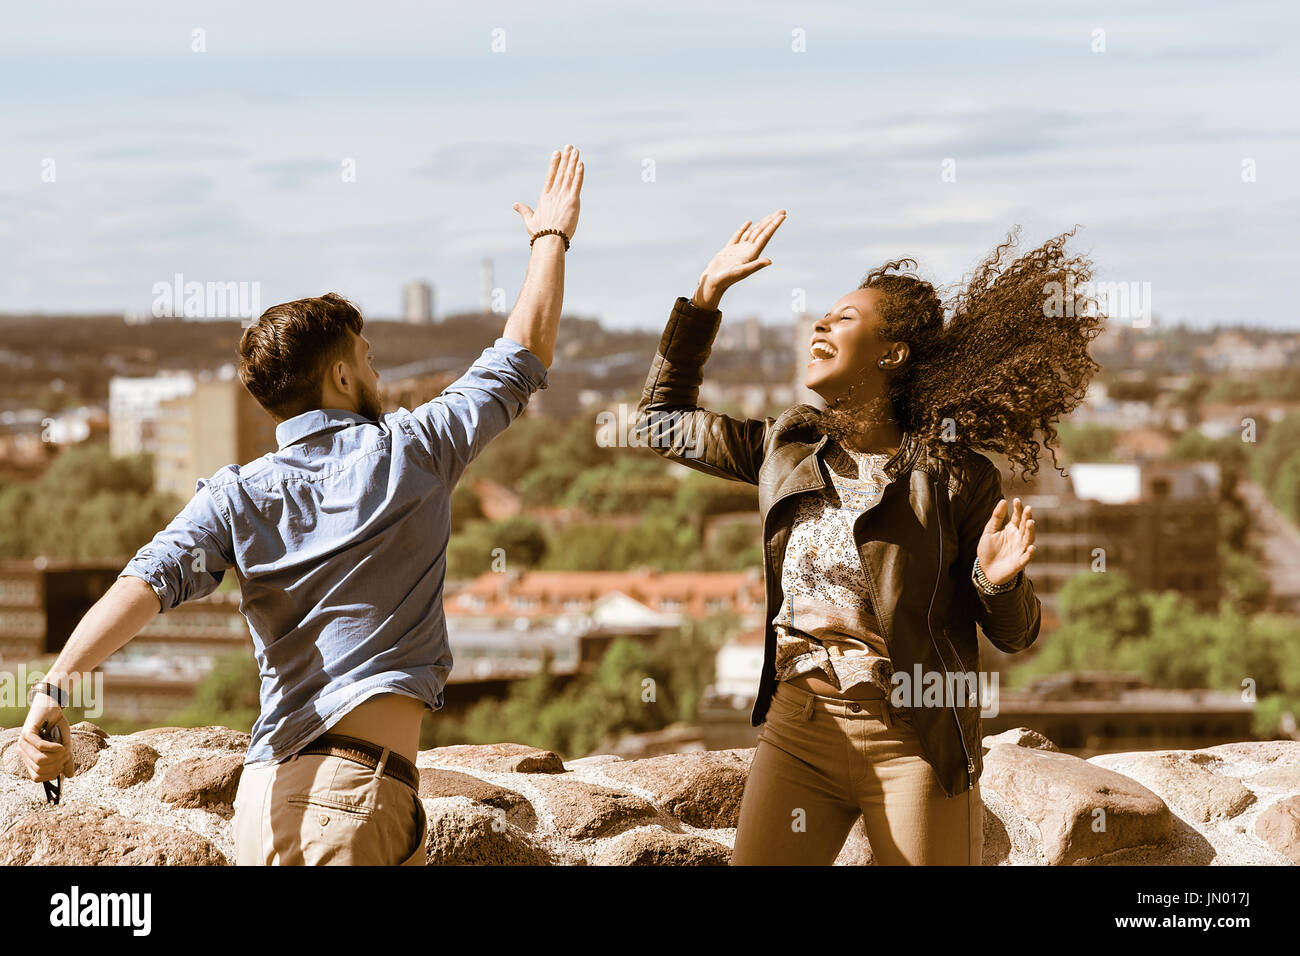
(50, 690)
(987, 586)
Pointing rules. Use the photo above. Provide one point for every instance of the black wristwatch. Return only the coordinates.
(51, 690)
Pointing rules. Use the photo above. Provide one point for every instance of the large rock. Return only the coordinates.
(71, 835)
(700, 789)
(463, 834)
(585, 811)
(499, 758)
(208, 738)
(1283, 753)
(202, 781)
(1279, 827)
(129, 764)
(1186, 781)
(88, 727)
(1020, 737)
(1080, 811)
(656, 847)
(450, 783)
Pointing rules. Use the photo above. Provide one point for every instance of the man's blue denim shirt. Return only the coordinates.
(339, 542)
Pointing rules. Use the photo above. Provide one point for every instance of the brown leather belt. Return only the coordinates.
(364, 752)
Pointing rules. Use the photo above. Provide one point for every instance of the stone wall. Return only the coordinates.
(163, 796)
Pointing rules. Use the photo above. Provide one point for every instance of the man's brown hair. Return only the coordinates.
(285, 355)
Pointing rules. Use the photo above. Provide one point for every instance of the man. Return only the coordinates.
(339, 541)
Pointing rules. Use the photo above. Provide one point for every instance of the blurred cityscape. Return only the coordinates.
(1168, 561)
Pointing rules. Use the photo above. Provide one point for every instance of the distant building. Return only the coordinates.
(42, 601)
(75, 425)
(1091, 713)
(417, 302)
(739, 334)
(1235, 353)
(411, 386)
(134, 405)
(216, 424)
(1158, 522)
(752, 400)
(608, 599)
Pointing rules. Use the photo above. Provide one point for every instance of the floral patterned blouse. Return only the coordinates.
(826, 622)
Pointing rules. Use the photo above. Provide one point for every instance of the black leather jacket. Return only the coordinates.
(917, 542)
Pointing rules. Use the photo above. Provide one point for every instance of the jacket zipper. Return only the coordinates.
(970, 763)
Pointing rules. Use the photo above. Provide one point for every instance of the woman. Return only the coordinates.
(886, 536)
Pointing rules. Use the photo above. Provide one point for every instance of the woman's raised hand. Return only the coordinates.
(1004, 551)
(558, 207)
(736, 260)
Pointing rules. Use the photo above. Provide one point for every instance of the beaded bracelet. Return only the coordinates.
(550, 232)
(989, 587)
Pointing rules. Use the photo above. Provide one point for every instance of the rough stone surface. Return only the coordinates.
(1020, 737)
(1279, 827)
(202, 781)
(130, 764)
(450, 783)
(506, 758)
(584, 811)
(462, 833)
(513, 804)
(701, 789)
(90, 728)
(655, 847)
(1080, 811)
(207, 738)
(1189, 782)
(97, 836)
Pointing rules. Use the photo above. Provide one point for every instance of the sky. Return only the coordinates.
(1168, 132)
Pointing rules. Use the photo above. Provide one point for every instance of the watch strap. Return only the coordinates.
(51, 690)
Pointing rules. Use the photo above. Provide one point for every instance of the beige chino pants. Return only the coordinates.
(320, 810)
(822, 762)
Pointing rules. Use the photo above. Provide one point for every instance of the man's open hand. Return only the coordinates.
(558, 207)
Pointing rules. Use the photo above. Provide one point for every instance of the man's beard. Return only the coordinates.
(369, 405)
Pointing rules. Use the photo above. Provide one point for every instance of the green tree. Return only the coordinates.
(472, 548)
(465, 505)
(629, 485)
(1087, 442)
(87, 506)
(227, 696)
(1107, 602)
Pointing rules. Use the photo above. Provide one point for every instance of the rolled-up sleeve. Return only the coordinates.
(458, 424)
(188, 558)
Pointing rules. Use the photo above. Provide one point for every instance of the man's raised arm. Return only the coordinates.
(457, 425)
(536, 316)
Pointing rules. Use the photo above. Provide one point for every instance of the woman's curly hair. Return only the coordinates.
(1010, 361)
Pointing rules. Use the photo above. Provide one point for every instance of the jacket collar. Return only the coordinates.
(310, 423)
